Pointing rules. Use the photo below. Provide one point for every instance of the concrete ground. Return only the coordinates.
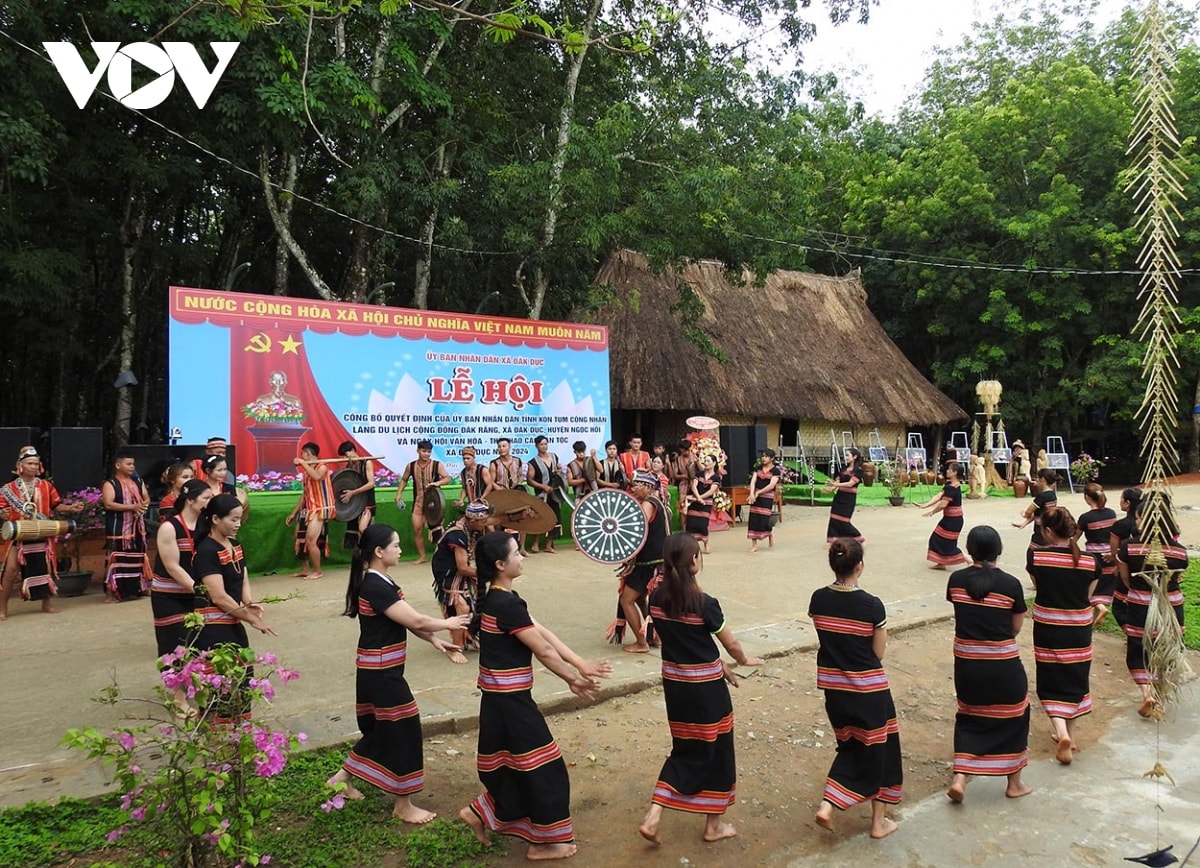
(52, 666)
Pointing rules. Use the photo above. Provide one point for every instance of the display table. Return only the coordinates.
(740, 496)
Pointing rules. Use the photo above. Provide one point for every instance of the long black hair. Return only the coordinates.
(845, 553)
(984, 546)
(1132, 496)
(680, 595)
(191, 489)
(1059, 521)
(376, 536)
(491, 547)
(219, 507)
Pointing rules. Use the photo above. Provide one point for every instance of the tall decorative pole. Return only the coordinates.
(1157, 186)
(989, 392)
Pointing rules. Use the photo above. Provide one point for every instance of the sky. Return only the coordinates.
(884, 61)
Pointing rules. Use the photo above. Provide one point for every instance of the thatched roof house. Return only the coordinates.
(801, 347)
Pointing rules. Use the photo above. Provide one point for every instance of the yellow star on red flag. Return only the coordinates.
(290, 345)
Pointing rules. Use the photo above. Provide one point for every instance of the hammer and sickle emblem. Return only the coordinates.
(259, 343)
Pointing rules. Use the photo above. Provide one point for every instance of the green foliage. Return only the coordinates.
(40, 834)
(196, 778)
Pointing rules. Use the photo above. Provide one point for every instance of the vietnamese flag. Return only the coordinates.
(269, 372)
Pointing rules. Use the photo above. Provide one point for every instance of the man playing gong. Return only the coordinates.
(425, 473)
(30, 498)
(640, 574)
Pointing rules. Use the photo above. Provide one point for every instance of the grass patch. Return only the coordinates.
(304, 836)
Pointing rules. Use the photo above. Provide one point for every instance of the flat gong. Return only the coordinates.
(433, 504)
(609, 525)
(348, 480)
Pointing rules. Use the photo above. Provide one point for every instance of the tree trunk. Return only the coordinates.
(131, 233)
(285, 217)
(281, 219)
(554, 203)
(1194, 447)
(424, 267)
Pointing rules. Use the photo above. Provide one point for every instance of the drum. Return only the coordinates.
(32, 529)
(433, 504)
(522, 511)
(609, 526)
(348, 480)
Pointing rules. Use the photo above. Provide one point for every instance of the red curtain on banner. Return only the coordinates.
(269, 372)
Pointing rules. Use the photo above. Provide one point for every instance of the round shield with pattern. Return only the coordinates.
(609, 525)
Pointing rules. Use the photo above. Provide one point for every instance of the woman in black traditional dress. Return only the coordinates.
(846, 484)
(527, 791)
(704, 487)
(1131, 560)
(991, 727)
(764, 485)
(1042, 501)
(700, 774)
(389, 753)
(222, 587)
(1123, 529)
(1095, 526)
(943, 542)
(1064, 579)
(172, 588)
(852, 629)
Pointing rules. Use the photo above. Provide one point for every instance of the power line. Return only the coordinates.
(292, 193)
(907, 258)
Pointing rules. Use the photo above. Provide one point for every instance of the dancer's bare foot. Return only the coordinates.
(957, 791)
(303, 574)
(3, 616)
(408, 812)
(545, 852)
(348, 790)
(717, 831)
(419, 561)
(528, 552)
(1015, 791)
(551, 550)
(1146, 709)
(636, 648)
(934, 566)
(316, 575)
(883, 828)
(1063, 752)
(649, 827)
(472, 819)
(50, 609)
(824, 816)
(456, 657)
(1101, 614)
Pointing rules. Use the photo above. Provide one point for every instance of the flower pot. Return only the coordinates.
(896, 499)
(1035, 487)
(73, 583)
(869, 472)
(1020, 487)
(930, 477)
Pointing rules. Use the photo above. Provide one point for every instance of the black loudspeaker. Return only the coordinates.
(76, 458)
(11, 441)
(742, 444)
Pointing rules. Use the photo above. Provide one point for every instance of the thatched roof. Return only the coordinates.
(801, 346)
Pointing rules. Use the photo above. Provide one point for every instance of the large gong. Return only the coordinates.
(348, 480)
(609, 525)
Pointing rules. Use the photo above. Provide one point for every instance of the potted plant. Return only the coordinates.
(73, 579)
(1085, 469)
(894, 478)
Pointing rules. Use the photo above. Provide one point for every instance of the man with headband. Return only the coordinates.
(475, 477)
(453, 565)
(641, 572)
(30, 498)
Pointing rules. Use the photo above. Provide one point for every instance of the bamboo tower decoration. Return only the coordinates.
(1157, 185)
